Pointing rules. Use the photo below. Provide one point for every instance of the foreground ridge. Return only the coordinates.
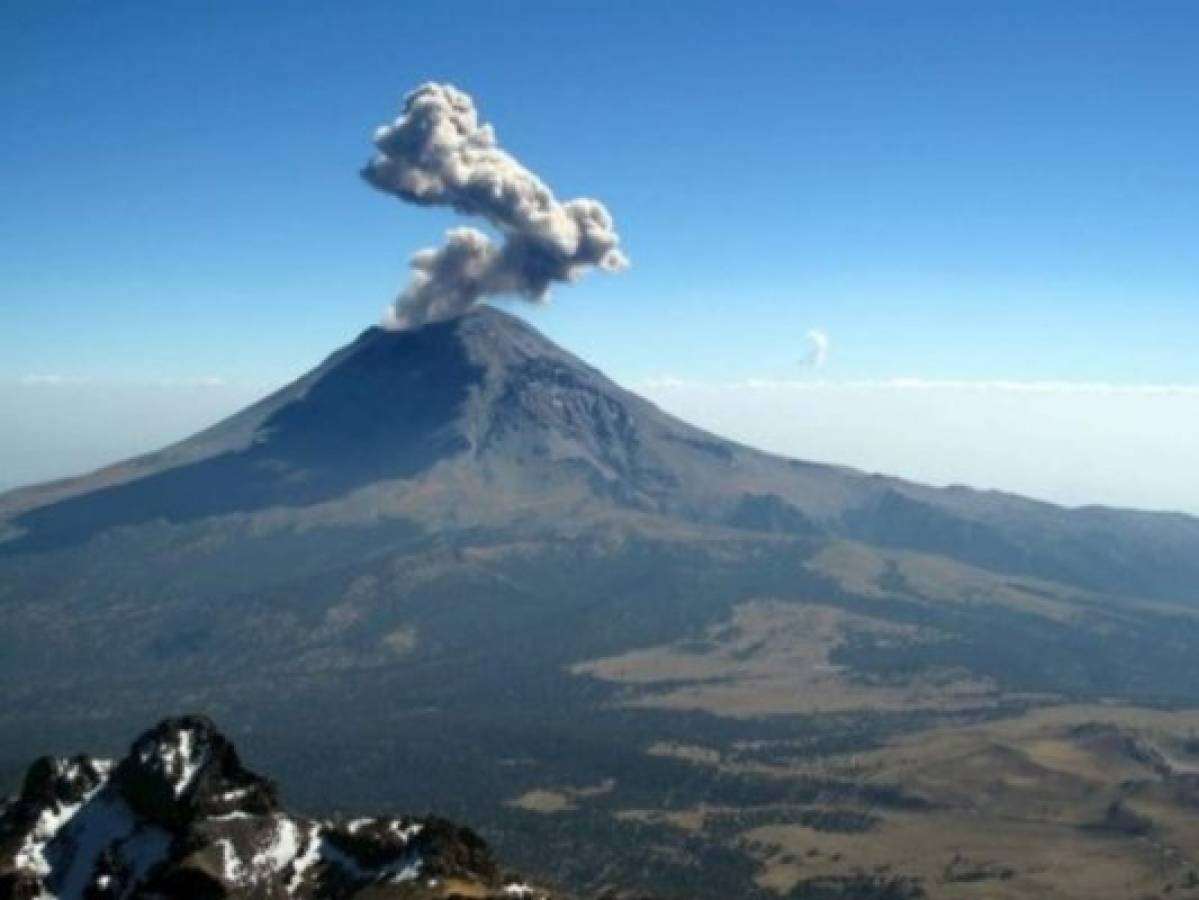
(180, 816)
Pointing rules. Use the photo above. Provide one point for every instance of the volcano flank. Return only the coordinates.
(470, 570)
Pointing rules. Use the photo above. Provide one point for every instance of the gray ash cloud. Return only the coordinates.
(438, 153)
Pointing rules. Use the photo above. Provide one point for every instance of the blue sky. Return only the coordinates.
(952, 191)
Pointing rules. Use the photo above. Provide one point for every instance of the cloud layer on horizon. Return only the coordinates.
(1072, 442)
(924, 384)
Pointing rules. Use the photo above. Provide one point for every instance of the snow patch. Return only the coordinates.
(310, 857)
(228, 817)
(55, 817)
(179, 760)
(232, 868)
(519, 890)
(406, 832)
(280, 852)
(101, 825)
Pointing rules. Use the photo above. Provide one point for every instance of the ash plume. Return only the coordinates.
(437, 153)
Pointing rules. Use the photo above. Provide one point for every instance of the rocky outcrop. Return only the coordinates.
(180, 816)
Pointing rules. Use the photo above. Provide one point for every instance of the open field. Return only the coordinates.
(1064, 802)
(774, 658)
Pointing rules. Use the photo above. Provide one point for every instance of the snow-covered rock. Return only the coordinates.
(180, 817)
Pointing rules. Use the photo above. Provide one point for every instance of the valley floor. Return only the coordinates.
(1062, 802)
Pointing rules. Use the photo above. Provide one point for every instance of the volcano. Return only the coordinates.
(483, 418)
(458, 550)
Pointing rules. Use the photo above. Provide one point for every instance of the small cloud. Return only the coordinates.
(196, 381)
(816, 354)
(39, 379)
(774, 384)
(666, 381)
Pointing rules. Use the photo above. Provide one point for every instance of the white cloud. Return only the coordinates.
(816, 354)
(42, 380)
(665, 381)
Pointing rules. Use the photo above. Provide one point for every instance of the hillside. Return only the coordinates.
(461, 552)
(487, 397)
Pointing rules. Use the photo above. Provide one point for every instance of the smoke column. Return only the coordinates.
(438, 154)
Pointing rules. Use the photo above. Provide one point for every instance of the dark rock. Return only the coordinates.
(184, 769)
(181, 817)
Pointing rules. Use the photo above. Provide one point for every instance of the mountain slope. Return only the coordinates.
(486, 393)
(461, 552)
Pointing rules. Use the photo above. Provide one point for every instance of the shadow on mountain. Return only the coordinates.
(385, 411)
(895, 520)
